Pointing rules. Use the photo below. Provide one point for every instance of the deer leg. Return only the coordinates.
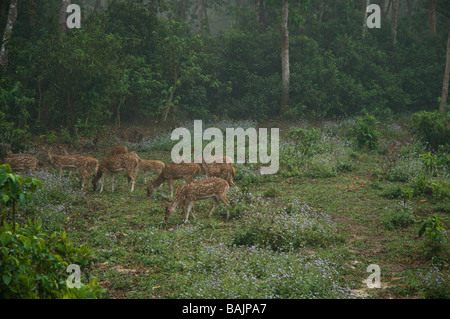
(216, 202)
(189, 210)
(225, 201)
(133, 178)
(171, 188)
(102, 182)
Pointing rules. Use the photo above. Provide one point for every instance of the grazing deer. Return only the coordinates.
(148, 165)
(70, 162)
(21, 162)
(221, 169)
(119, 149)
(177, 191)
(92, 163)
(212, 187)
(113, 165)
(171, 172)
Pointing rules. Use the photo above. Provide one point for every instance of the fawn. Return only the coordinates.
(212, 187)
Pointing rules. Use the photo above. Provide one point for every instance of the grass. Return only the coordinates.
(309, 231)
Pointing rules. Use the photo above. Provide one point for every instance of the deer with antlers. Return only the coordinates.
(171, 172)
(115, 164)
(212, 187)
(148, 165)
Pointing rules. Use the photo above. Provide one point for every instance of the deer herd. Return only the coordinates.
(218, 170)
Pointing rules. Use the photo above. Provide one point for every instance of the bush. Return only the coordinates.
(436, 240)
(435, 283)
(33, 264)
(309, 152)
(431, 128)
(294, 226)
(366, 133)
(400, 216)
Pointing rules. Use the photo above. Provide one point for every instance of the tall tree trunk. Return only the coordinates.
(432, 16)
(202, 15)
(365, 4)
(169, 100)
(3, 8)
(322, 7)
(12, 16)
(409, 5)
(285, 73)
(394, 18)
(63, 15)
(181, 10)
(260, 15)
(98, 5)
(445, 81)
(385, 8)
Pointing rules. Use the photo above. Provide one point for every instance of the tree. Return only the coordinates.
(365, 4)
(202, 15)
(14, 188)
(12, 16)
(394, 20)
(63, 15)
(432, 16)
(179, 50)
(285, 72)
(446, 75)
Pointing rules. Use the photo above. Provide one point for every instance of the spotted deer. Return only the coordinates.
(148, 165)
(177, 191)
(227, 171)
(212, 187)
(115, 164)
(70, 162)
(119, 149)
(92, 163)
(171, 172)
(21, 162)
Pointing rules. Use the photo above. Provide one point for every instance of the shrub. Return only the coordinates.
(305, 139)
(366, 133)
(33, 264)
(255, 272)
(314, 154)
(294, 226)
(435, 283)
(400, 216)
(431, 128)
(436, 240)
(404, 170)
(436, 188)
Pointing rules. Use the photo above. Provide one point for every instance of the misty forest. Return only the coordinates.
(92, 90)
